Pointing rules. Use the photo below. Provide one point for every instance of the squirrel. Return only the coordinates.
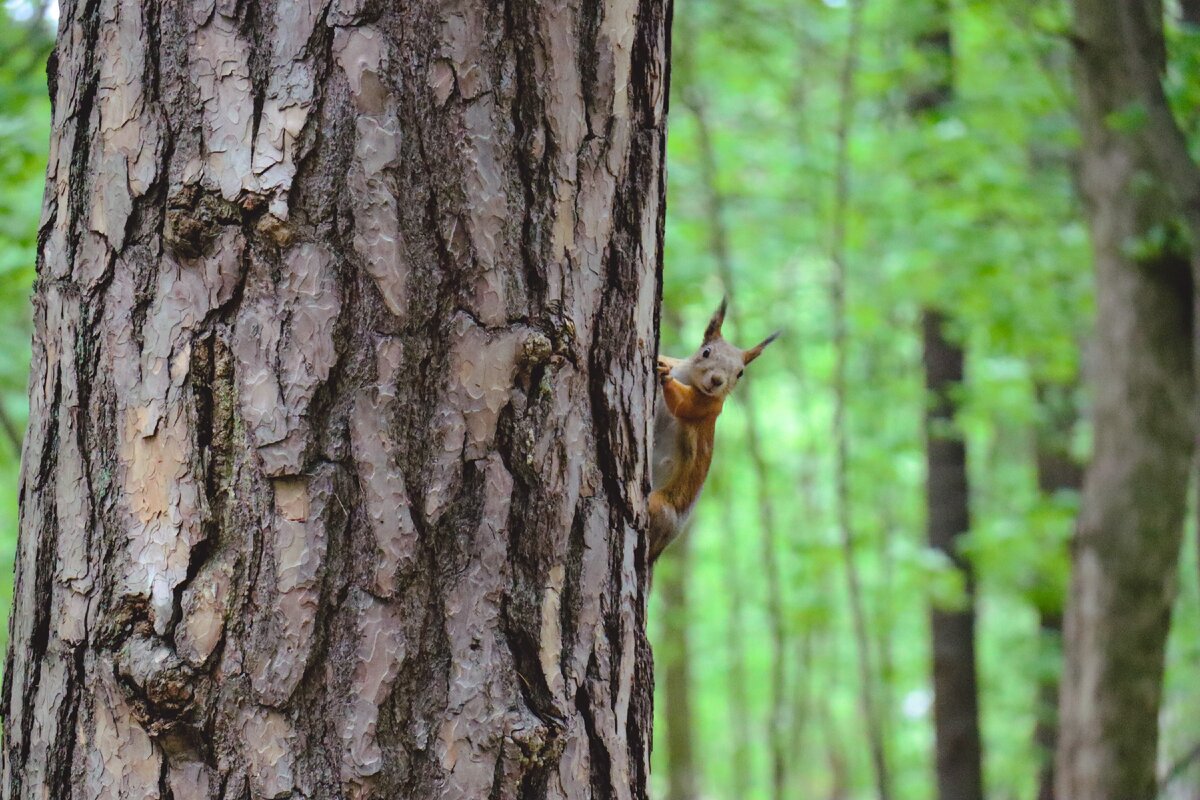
(693, 392)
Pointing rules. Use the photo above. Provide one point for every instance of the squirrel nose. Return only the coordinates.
(716, 381)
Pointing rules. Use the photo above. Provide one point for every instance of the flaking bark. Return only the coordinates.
(336, 467)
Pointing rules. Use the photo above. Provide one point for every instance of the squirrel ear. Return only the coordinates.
(713, 331)
(756, 351)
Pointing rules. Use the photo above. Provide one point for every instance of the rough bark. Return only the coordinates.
(1143, 417)
(336, 466)
(674, 660)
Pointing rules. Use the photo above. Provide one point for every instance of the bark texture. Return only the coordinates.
(1143, 417)
(342, 385)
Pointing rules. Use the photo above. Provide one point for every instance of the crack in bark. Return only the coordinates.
(531, 499)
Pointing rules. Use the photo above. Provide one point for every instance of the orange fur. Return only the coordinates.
(693, 393)
(696, 414)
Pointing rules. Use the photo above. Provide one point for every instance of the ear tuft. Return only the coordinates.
(713, 331)
(756, 351)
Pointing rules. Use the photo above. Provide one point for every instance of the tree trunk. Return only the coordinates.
(838, 285)
(342, 379)
(694, 101)
(955, 687)
(959, 753)
(1189, 11)
(735, 648)
(671, 579)
(1127, 545)
(1045, 731)
(1057, 471)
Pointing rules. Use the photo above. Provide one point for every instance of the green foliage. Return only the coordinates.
(974, 211)
(24, 135)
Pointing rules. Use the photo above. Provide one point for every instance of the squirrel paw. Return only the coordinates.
(664, 371)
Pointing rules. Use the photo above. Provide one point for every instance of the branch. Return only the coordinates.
(1178, 768)
(10, 429)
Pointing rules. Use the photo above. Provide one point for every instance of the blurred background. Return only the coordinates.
(836, 168)
(26, 38)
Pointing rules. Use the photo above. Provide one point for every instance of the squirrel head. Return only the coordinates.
(717, 366)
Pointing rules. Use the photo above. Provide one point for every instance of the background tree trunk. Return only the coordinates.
(694, 102)
(1134, 495)
(838, 285)
(674, 657)
(955, 684)
(1057, 471)
(336, 463)
(1189, 11)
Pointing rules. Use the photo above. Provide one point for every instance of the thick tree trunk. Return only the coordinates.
(336, 466)
(1134, 496)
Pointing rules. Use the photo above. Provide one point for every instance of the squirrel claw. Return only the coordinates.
(664, 370)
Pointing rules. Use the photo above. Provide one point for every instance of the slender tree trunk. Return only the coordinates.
(674, 653)
(715, 206)
(1143, 413)
(841, 441)
(811, 636)
(1190, 11)
(342, 377)
(686, 87)
(838, 765)
(1045, 732)
(955, 686)
(739, 701)
(841, 210)
(1057, 471)
(671, 579)
(10, 430)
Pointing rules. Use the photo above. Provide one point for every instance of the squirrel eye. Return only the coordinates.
(706, 352)
(741, 372)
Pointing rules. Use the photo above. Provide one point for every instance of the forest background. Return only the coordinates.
(835, 168)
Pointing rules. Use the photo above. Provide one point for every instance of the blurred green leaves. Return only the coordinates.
(24, 140)
(974, 211)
